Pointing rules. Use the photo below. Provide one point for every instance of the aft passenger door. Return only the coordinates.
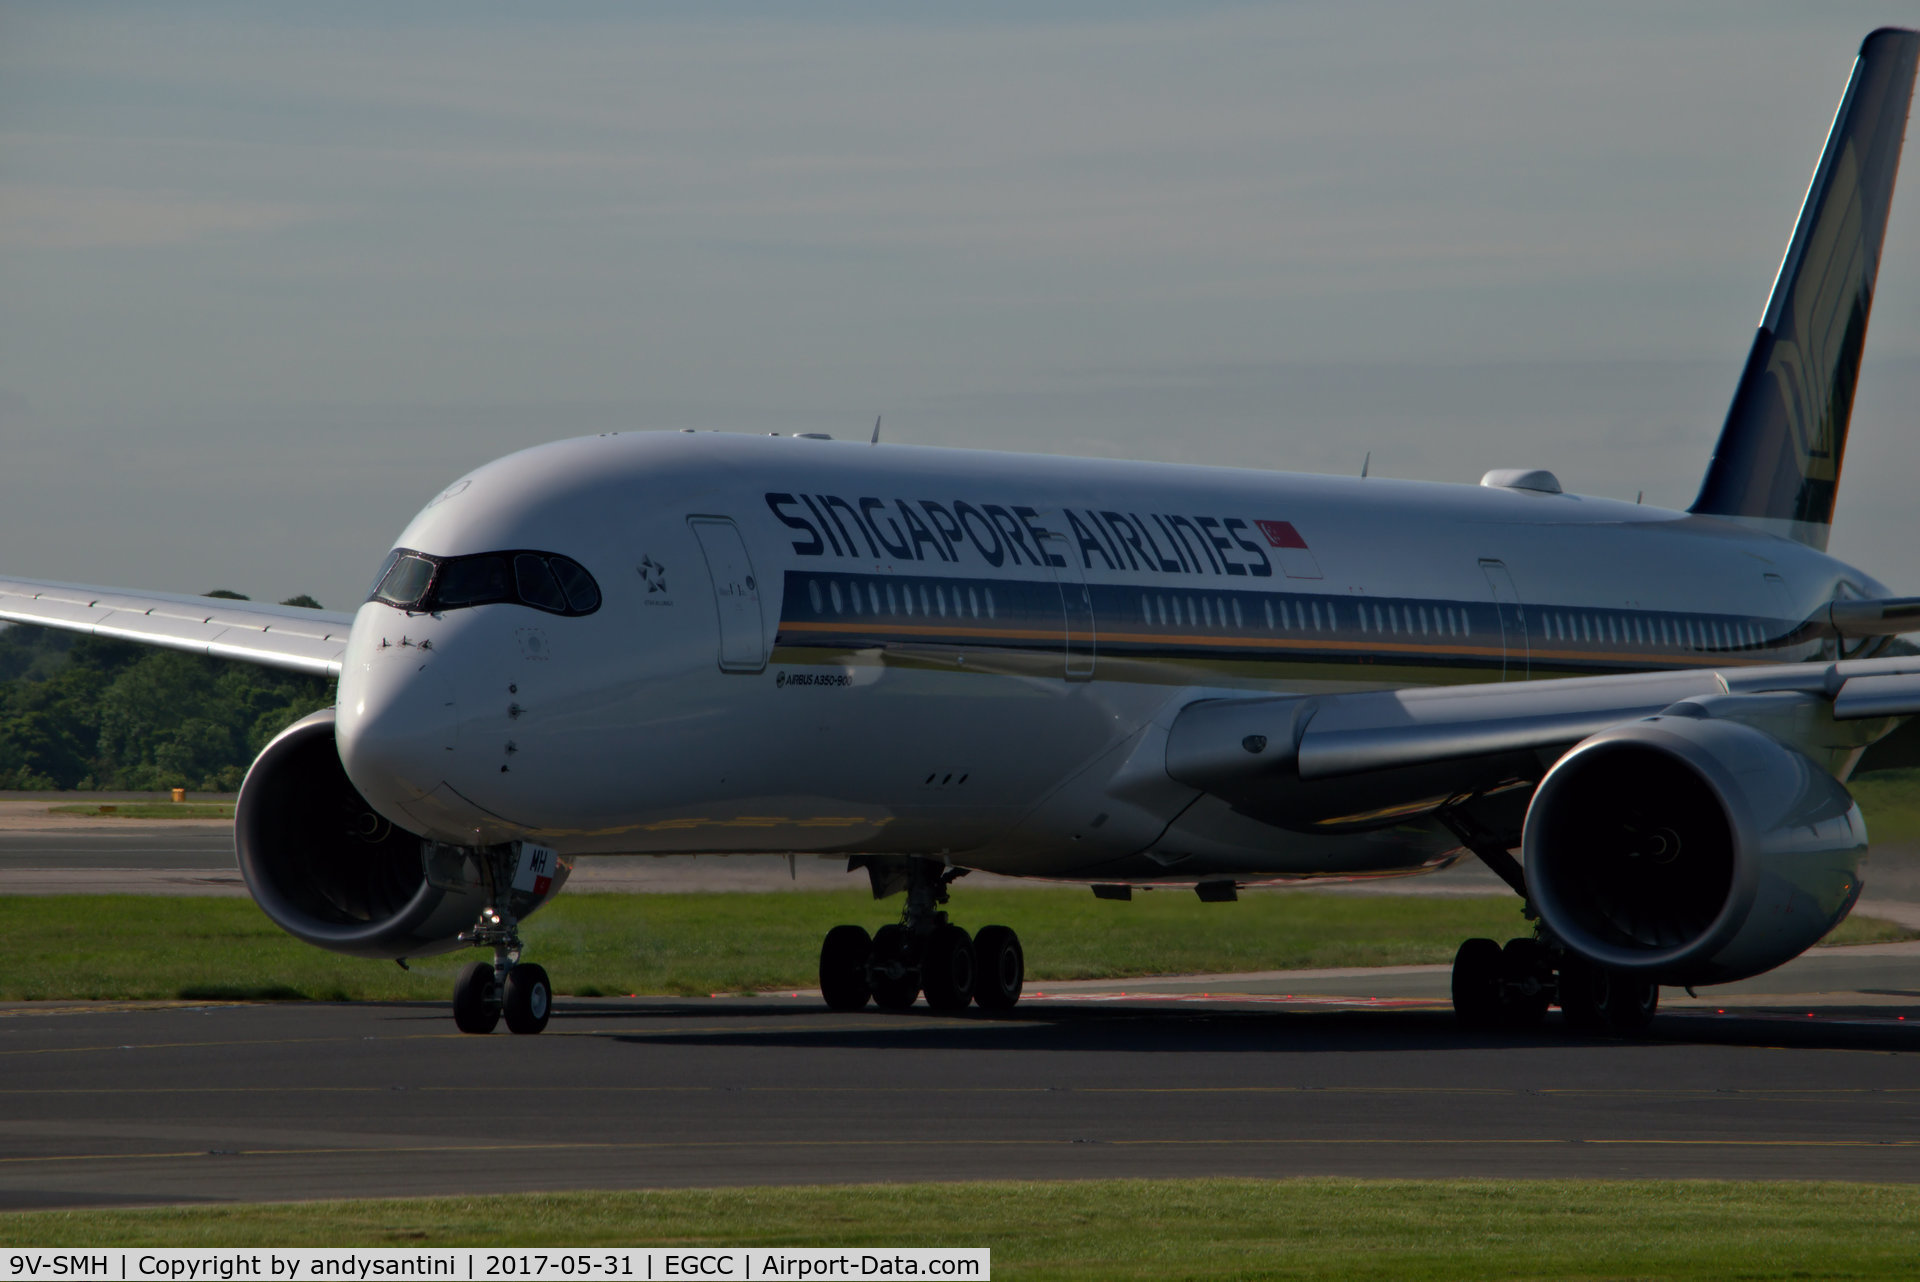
(1513, 620)
(736, 594)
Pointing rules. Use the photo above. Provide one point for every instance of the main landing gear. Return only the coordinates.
(507, 986)
(923, 953)
(1512, 987)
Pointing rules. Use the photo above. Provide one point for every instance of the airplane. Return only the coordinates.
(934, 661)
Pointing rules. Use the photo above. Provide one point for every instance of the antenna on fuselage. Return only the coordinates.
(1365, 463)
(876, 431)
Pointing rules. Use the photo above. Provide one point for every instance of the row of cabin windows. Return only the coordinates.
(875, 598)
(1305, 616)
(1670, 633)
(1439, 620)
(1179, 610)
(1223, 612)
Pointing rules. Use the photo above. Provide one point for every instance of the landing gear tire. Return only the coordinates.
(893, 975)
(1631, 1003)
(528, 1000)
(1476, 983)
(843, 968)
(1583, 994)
(946, 969)
(1526, 982)
(1601, 999)
(474, 1007)
(999, 968)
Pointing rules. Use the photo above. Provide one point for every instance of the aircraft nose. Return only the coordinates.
(395, 727)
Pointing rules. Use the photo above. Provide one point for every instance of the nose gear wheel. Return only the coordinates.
(518, 991)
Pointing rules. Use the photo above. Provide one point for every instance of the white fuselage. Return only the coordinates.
(975, 655)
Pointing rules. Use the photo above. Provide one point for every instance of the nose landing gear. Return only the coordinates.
(923, 953)
(485, 992)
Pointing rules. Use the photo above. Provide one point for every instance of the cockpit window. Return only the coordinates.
(544, 580)
(538, 587)
(472, 580)
(583, 594)
(406, 580)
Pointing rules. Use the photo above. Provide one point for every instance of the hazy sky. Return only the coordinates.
(270, 277)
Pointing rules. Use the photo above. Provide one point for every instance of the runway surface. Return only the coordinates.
(268, 1102)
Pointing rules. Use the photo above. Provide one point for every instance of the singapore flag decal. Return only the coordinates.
(1290, 549)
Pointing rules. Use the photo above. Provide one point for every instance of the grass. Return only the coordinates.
(150, 809)
(1120, 1229)
(128, 947)
(1890, 800)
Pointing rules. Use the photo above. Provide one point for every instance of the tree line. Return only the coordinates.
(82, 712)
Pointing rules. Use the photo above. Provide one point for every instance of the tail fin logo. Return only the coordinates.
(1777, 464)
(1812, 370)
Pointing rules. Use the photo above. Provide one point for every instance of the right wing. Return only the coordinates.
(274, 636)
(1245, 749)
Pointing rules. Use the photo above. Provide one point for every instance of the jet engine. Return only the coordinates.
(329, 869)
(1691, 850)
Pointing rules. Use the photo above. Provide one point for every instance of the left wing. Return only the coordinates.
(274, 636)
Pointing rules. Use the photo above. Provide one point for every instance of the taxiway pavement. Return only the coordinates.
(122, 1105)
(1807, 1072)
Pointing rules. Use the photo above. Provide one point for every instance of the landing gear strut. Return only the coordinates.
(922, 953)
(508, 987)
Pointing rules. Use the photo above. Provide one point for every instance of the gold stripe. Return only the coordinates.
(1694, 658)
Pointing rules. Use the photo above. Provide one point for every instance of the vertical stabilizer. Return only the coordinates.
(1777, 464)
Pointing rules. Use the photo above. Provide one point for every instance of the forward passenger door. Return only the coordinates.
(736, 594)
(1076, 604)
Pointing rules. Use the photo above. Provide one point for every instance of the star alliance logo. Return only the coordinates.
(654, 574)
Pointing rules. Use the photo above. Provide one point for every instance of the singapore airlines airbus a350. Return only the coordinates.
(930, 661)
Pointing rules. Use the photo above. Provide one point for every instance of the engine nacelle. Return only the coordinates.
(329, 869)
(1698, 851)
